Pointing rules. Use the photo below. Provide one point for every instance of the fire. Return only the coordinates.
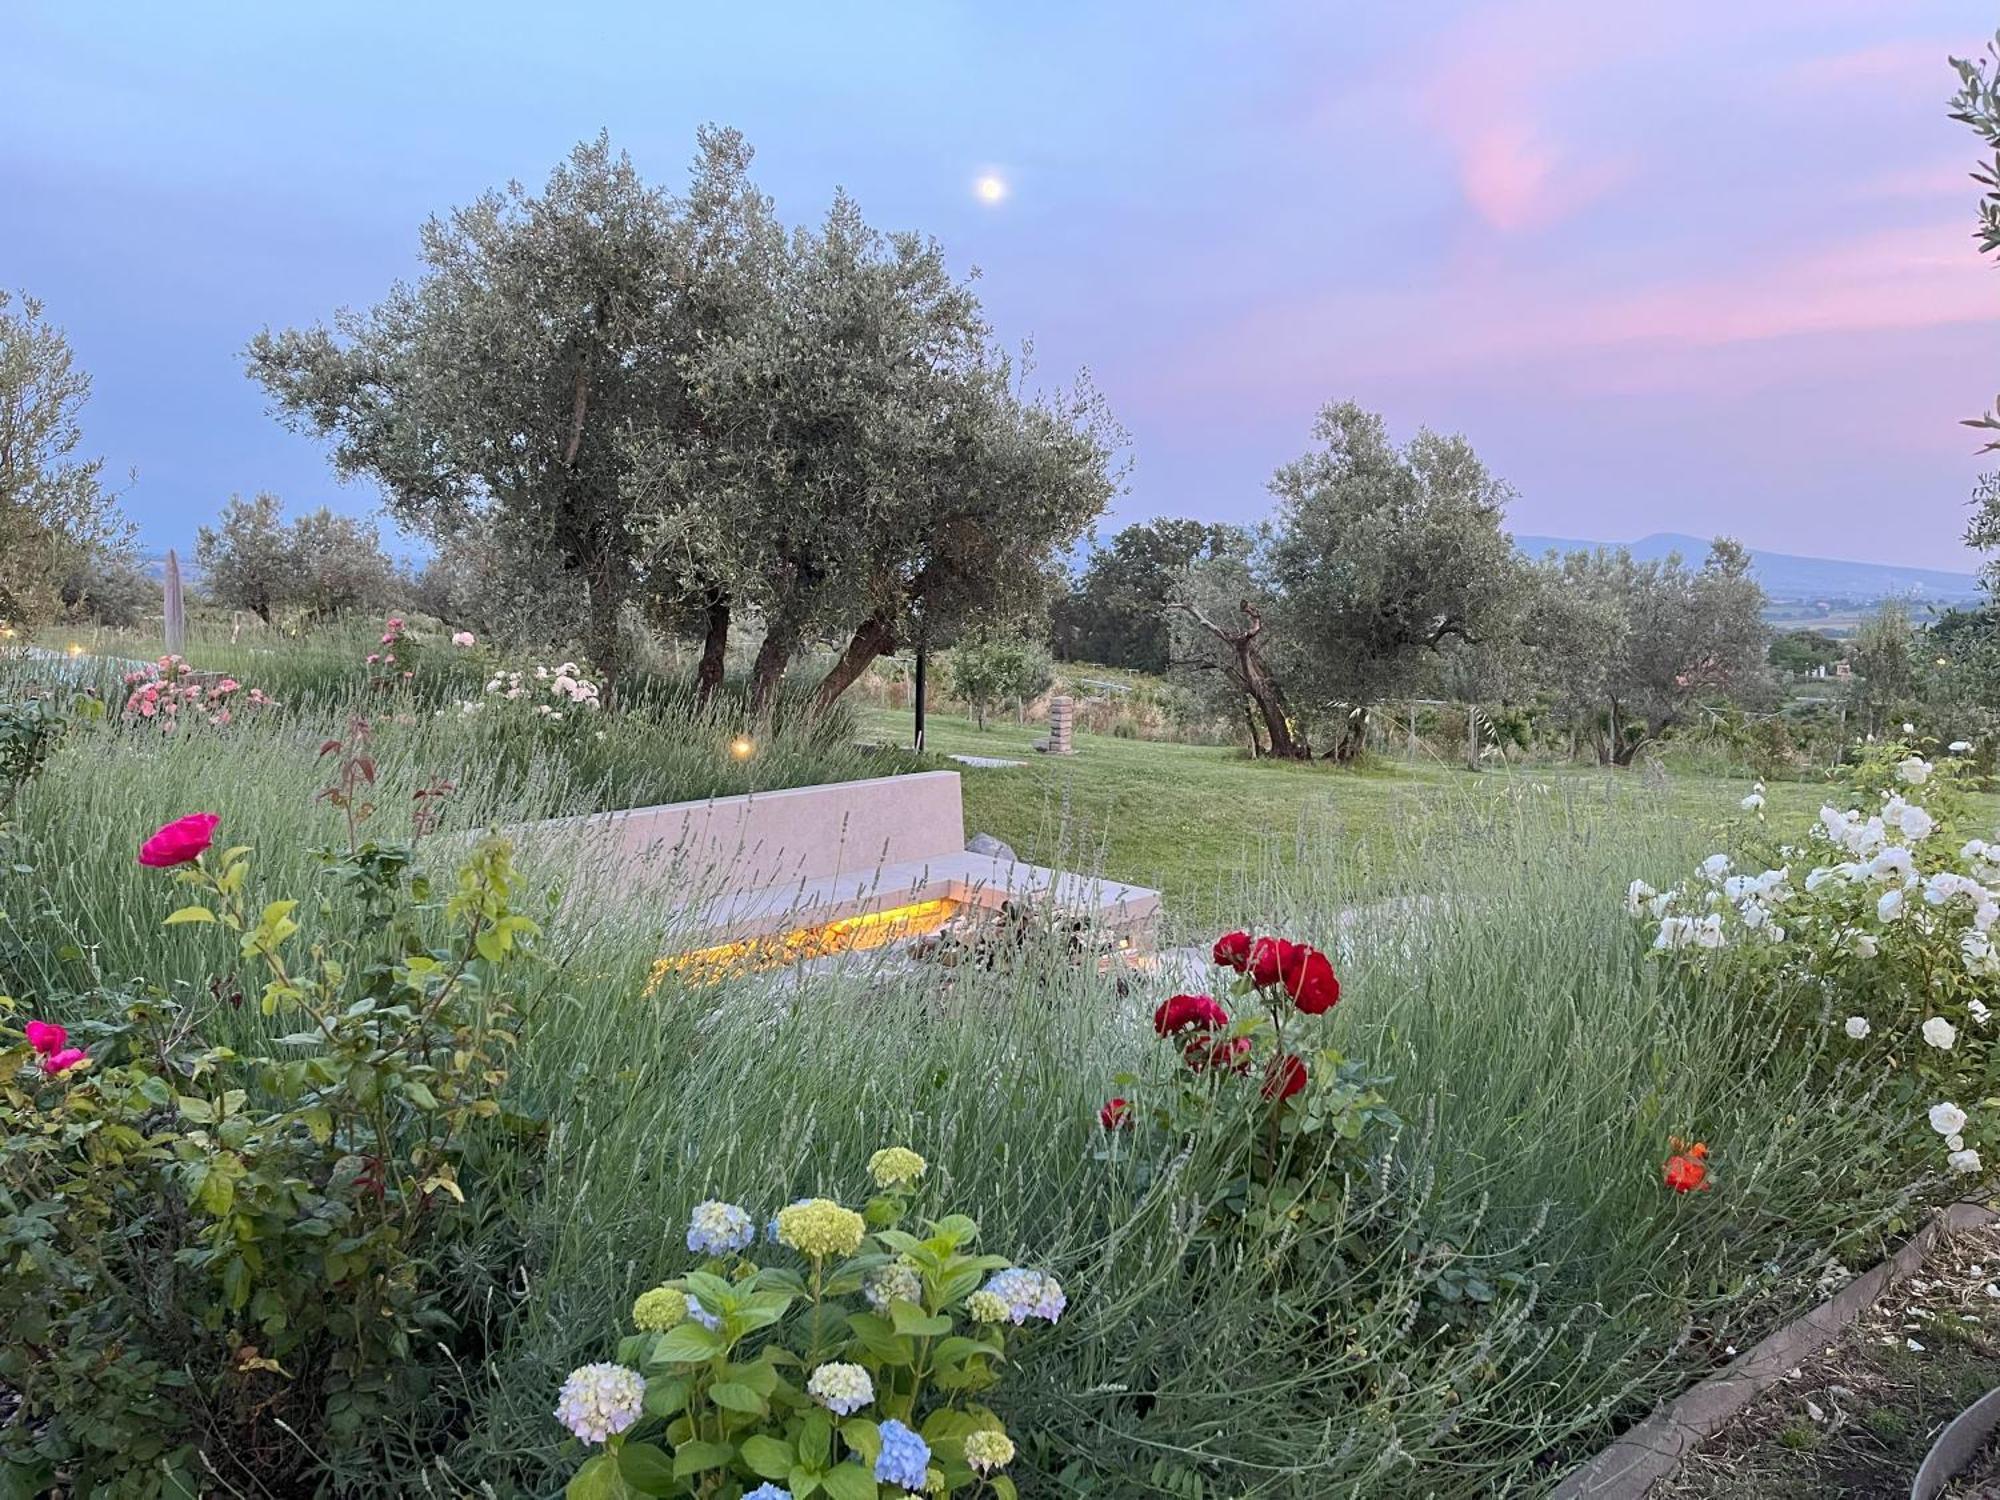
(869, 930)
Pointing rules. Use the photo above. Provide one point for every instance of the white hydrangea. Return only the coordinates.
(601, 1400)
(841, 1388)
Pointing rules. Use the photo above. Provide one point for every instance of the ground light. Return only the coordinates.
(742, 747)
(869, 930)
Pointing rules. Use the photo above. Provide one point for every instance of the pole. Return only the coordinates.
(174, 616)
(917, 739)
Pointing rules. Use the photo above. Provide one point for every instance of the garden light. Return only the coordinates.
(742, 747)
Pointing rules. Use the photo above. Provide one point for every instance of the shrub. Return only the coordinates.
(1888, 936)
(249, 1257)
(851, 1359)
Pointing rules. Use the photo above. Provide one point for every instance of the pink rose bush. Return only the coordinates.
(169, 693)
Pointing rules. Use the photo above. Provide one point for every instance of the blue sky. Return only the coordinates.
(1703, 267)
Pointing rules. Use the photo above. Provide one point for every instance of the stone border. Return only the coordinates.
(1957, 1446)
(1632, 1464)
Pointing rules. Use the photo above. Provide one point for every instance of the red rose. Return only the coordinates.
(1183, 1011)
(1232, 950)
(1231, 1052)
(1284, 1077)
(1267, 958)
(181, 842)
(1309, 979)
(1116, 1115)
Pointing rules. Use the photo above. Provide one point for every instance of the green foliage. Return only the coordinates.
(1803, 651)
(1382, 555)
(55, 514)
(318, 567)
(1118, 613)
(248, 1255)
(730, 1398)
(992, 669)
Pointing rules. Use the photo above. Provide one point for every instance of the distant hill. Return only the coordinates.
(1790, 579)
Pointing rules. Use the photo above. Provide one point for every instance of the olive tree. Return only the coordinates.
(54, 511)
(1381, 555)
(502, 386)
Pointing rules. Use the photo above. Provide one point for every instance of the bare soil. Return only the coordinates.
(1857, 1420)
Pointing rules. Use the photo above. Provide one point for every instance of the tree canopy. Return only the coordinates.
(692, 410)
(55, 514)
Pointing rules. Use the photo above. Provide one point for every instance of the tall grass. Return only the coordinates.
(1540, 1062)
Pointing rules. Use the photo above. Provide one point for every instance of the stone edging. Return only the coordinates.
(1631, 1465)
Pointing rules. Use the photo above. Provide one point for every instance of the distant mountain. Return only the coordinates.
(1790, 579)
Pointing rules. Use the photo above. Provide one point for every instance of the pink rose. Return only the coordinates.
(180, 842)
(63, 1061)
(47, 1037)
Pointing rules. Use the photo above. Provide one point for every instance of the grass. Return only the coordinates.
(1203, 823)
(1538, 1059)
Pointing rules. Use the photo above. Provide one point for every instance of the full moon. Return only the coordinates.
(991, 187)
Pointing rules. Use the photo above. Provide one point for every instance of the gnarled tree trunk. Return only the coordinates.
(873, 637)
(1255, 678)
(714, 645)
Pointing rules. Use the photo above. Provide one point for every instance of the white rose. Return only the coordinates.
(1947, 1118)
(1890, 906)
(1964, 1161)
(1858, 1028)
(1752, 802)
(1914, 770)
(1940, 1033)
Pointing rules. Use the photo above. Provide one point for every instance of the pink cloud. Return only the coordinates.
(1650, 336)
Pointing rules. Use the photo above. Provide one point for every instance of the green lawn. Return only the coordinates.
(1194, 820)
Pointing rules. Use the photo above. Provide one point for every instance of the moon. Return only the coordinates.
(990, 187)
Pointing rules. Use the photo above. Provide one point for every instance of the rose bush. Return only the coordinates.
(1276, 1123)
(1878, 922)
(249, 1257)
(169, 693)
(838, 1355)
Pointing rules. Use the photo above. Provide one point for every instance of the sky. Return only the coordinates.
(1704, 267)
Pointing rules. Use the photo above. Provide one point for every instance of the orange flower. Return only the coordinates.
(1686, 1170)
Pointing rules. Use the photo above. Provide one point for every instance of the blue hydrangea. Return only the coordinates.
(768, 1491)
(1028, 1294)
(702, 1315)
(903, 1458)
(718, 1228)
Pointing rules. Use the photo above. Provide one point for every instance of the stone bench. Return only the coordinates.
(768, 864)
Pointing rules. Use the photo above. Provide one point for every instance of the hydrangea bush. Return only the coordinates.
(1878, 921)
(831, 1352)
